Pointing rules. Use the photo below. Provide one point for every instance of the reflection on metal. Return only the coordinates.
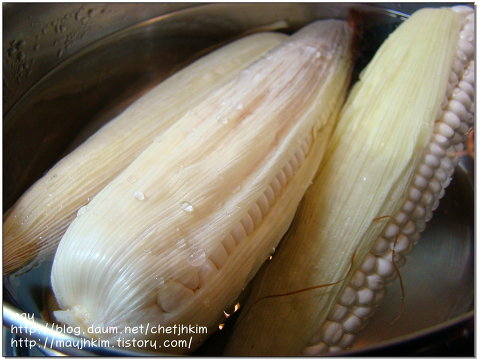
(81, 90)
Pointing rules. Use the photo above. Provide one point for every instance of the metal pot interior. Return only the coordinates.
(89, 87)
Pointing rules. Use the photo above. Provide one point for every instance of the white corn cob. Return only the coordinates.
(35, 224)
(391, 154)
(211, 197)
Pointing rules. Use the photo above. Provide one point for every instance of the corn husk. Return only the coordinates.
(211, 198)
(373, 188)
(35, 224)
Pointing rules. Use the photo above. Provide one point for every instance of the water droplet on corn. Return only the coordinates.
(222, 119)
(258, 77)
(139, 195)
(82, 211)
(197, 257)
(181, 243)
(235, 189)
(186, 206)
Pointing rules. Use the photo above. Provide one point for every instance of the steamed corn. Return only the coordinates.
(35, 224)
(389, 159)
(176, 236)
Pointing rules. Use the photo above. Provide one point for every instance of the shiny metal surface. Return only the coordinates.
(125, 50)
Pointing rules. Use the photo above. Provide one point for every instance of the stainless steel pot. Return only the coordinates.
(68, 68)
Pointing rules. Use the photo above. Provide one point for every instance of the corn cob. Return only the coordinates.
(34, 225)
(387, 164)
(178, 245)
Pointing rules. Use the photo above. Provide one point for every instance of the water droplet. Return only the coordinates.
(235, 189)
(181, 243)
(270, 257)
(186, 206)
(257, 77)
(27, 219)
(220, 326)
(222, 119)
(40, 237)
(309, 50)
(59, 28)
(239, 106)
(197, 257)
(237, 307)
(226, 314)
(139, 195)
(131, 179)
(82, 211)
(364, 178)
(160, 280)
